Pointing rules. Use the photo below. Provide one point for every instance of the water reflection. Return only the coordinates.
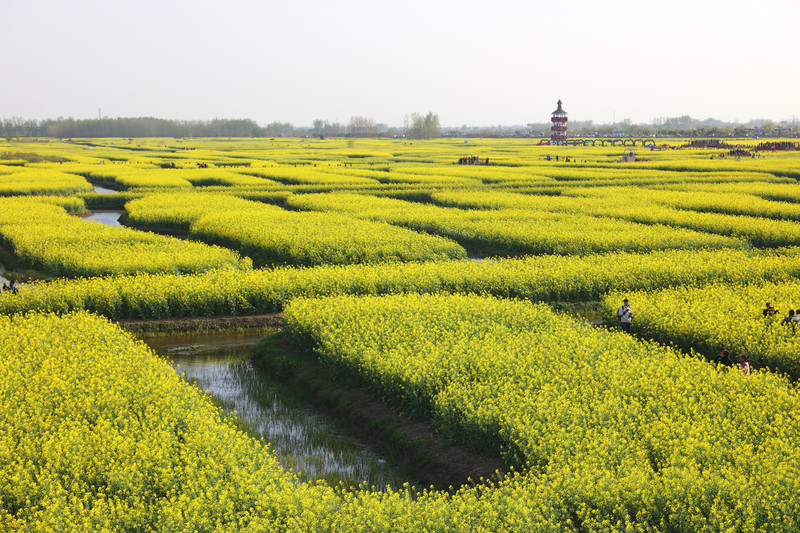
(103, 190)
(303, 439)
(110, 218)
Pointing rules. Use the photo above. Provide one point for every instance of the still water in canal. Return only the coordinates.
(110, 218)
(303, 439)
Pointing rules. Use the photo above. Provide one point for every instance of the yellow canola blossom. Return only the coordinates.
(45, 237)
(561, 278)
(642, 206)
(734, 203)
(101, 435)
(179, 210)
(716, 316)
(780, 192)
(271, 236)
(615, 430)
(517, 231)
(98, 433)
(28, 181)
(131, 176)
(307, 174)
(783, 165)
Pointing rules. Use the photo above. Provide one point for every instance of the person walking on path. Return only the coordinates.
(624, 314)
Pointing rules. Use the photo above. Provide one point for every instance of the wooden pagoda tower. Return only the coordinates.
(558, 130)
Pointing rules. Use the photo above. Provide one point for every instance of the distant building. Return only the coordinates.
(558, 131)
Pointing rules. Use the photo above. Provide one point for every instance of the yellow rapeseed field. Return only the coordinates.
(445, 315)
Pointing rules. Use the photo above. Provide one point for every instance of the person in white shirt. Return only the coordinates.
(624, 314)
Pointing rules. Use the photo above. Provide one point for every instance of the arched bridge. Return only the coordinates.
(611, 141)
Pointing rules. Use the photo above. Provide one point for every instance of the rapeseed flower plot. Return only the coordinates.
(71, 204)
(712, 317)
(203, 177)
(104, 435)
(780, 165)
(620, 430)
(44, 236)
(517, 231)
(483, 174)
(132, 176)
(272, 236)
(151, 178)
(100, 433)
(28, 181)
(607, 433)
(595, 175)
(561, 278)
(780, 192)
(179, 210)
(735, 203)
(642, 206)
(307, 175)
(430, 180)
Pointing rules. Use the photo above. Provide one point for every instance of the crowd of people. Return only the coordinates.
(740, 152)
(780, 145)
(472, 160)
(706, 143)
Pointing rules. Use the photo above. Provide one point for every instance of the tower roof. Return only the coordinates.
(559, 111)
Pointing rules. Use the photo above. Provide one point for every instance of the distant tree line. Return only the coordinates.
(141, 127)
(416, 126)
(63, 128)
(359, 126)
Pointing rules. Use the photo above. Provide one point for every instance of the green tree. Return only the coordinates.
(423, 127)
(362, 127)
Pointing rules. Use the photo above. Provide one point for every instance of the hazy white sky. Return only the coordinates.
(475, 63)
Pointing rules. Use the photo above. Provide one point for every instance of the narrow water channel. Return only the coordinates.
(110, 218)
(303, 439)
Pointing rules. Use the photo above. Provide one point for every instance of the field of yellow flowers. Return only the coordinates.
(430, 282)
(520, 231)
(44, 236)
(24, 181)
(724, 316)
(535, 278)
(626, 430)
(609, 432)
